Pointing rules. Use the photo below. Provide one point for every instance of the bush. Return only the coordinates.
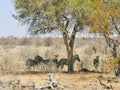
(6, 67)
(111, 64)
(48, 41)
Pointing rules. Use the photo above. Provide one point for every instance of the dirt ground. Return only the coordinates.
(76, 81)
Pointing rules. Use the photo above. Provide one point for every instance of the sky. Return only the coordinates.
(8, 25)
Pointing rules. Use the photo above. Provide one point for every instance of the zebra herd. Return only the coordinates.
(53, 65)
(48, 64)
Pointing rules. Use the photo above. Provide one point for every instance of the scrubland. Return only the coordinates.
(13, 56)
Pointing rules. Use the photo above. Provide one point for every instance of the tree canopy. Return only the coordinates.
(104, 19)
(102, 14)
(69, 17)
(46, 15)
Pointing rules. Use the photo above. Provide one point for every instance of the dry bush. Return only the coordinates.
(8, 41)
(37, 42)
(28, 52)
(50, 52)
(88, 52)
(94, 48)
(6, 60)
(48, 41)
(6, 65)
(118, 50)
(25, 41)
(110, 64)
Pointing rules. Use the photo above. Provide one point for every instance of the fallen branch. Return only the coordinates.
(52, 84)
(105, 85)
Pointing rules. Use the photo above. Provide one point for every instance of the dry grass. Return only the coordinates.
(17, 55)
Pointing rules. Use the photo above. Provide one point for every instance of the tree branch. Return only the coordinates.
(68, 21)
(73, 34)
(65, 37)
(107, 40)
(115, 25)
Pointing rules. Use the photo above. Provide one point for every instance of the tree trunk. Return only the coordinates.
(113, 44)
(70, 62)
(70, 46)
(114, 51)
(70, 67)
(69, 43)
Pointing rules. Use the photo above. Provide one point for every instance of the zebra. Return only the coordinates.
(82, 69)
(30, 63)
(49, 65)
(64, 61)
(117, 72)
(46, 61)
(38, 61)
(55, 60)
(33, 62)
(96, 63)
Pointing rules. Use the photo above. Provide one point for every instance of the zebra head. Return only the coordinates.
(97, 57)
(76, 57)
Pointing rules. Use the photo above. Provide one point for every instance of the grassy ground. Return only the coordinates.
(12, 60)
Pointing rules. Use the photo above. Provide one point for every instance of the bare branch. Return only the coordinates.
(73, 35)
(115, 25)
(68, 21)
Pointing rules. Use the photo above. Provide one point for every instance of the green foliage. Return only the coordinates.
(112, 63)
(94, 48)
(118, 61)
(44, 15)
(100, 14)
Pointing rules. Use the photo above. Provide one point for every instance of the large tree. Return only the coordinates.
(44, 16)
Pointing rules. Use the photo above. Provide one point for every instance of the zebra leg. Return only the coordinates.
(62, 66)
(96, 68)
(29, 68)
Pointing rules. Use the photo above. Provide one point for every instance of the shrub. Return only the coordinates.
(111, 64)
(94, 49)
(6, 67)
(48, 41)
